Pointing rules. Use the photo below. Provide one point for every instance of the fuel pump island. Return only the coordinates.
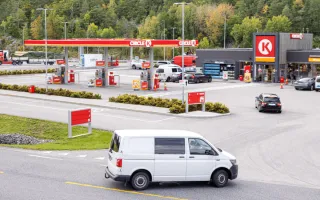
(103, 77)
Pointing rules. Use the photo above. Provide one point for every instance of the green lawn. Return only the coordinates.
(99, 139)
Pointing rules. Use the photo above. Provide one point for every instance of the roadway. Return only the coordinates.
(277, 153)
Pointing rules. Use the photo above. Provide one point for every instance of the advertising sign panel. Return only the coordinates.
(265, 48)
(196, 98)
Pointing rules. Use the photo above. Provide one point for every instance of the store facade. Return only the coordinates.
(273, 55)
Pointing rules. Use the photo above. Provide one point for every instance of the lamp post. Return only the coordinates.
(224, 34)
(23, 39)
(173, 39)
(182, 75)
(46, 42)
(164, 37)
(65, 29)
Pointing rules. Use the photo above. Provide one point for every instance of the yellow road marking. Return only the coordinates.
(125, 191)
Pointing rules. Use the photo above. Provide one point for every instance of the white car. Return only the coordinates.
(144, 156)
(137, 64)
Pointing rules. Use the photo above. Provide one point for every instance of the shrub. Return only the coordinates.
(220, 108)
(177, 109)
(34, 71)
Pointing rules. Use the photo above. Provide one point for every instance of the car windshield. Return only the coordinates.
(304, 80)
(271, 99)
(318, 80)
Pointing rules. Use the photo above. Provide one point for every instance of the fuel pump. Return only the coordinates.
(156, 82)
(144, 80)
(100, 77)
(58, 77)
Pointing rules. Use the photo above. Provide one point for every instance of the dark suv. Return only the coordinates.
(268, 102)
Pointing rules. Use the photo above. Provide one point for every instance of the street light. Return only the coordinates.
(182, 75)
(173, 39)
(46, 42)
(65, 29)
(224, 34)
(87, 35)
(164, 37)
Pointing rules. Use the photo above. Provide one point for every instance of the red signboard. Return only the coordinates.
(56, 80)
(144, 85)
(61, 62)
(80, 117)
(296, 36)
(146, 65)
(99, 83)
(247, 69)
(196, 98)
(100, 63)
(265, 49)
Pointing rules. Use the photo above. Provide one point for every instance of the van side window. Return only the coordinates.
(160, 71)
(169, 146)
(200, 147)
(115, 143)
(174, 70)
(179, 70)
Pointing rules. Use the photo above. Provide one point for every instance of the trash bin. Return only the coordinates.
(31, 89)
(241, 78)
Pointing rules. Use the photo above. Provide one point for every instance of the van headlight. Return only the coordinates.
(234, 161)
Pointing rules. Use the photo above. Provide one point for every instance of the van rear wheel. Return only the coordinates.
(140, 181)
(220, 178)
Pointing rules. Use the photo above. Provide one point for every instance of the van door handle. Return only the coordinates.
(181, 156)
(191, 156)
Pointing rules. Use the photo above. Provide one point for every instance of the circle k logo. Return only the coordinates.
(265, 47)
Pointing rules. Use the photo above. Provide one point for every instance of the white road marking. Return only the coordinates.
(63, 154)
(104, 165)
(100, 158)
(81, 156)
(23, 104)
(45, 157)
(46, 152)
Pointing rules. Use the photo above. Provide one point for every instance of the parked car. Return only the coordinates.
(144, 156)
(305, 84)
(317, 83)
(137, 64)
(198, 77)
(268, 102)
(166, 72)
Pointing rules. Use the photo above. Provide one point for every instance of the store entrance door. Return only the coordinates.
(266, 73)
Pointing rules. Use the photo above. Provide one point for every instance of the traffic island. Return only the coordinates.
(46, 135)
(22, 72)
(175, 106)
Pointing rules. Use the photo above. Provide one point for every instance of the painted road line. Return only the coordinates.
(44, 157)
(47, 152)
(125, 191)
(81, 156)
(63, 154)
(100, 158)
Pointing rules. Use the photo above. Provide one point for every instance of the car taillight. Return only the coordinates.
(278, 104)
(192, 76)
(264, 103)
(119, 162)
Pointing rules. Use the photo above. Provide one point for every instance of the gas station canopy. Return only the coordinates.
(112, 43)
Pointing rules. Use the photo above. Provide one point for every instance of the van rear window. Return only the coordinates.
(170, 146)
(115, 143)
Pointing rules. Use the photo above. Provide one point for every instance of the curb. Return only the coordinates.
(117, 108)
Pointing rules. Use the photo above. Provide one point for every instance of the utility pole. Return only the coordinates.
(225, 26)
(173, 39)
(164, 37)
(46, 42)
(23, 39)
(183, 4)
(65, 29)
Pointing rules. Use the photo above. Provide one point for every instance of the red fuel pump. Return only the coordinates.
(71, 76)
(111, 79)
(156, 81)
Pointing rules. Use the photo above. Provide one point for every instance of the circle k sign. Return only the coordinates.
(265, 46)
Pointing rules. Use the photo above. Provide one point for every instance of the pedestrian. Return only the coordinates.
(291, 77)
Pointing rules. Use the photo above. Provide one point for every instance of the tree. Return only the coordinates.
(37, 28)
(278, 24)
(149, 28)
(204, 43)
(54, 25)
(92, 30)
(243, 33)
(108, 33)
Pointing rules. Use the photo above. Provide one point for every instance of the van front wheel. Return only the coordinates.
(220, 178)
(140, 181)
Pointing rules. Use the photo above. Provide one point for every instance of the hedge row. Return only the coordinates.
(31, 71)
(56, 92)
(174, 105)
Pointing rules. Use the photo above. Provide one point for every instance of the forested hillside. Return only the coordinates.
(204, 19)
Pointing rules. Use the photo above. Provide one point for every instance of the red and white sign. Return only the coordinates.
(146, 65)
(100, 63)
(265, 49)
(296, 36)
(188, 43)
(80, 117)
(56, 80)
(61, 62)
(196, 98)
(141, 43)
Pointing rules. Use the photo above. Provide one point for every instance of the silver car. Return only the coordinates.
(305, 84)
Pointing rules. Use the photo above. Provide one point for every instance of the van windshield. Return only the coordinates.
(115, 143)
(318, 80)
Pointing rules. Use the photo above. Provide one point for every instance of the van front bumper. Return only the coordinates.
(234, 172)
(121, 178)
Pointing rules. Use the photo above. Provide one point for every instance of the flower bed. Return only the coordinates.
(56, 92)
(175, 106)
(31, 71)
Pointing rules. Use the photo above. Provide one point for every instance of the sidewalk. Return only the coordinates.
(110, 105)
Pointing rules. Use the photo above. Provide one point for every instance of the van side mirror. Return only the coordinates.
(209, 152)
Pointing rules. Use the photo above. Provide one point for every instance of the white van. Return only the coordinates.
(317, 84)
(144, 156)
(165, 72)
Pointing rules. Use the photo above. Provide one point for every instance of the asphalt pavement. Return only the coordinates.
(277, 153)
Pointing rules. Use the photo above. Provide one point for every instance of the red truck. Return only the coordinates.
(189, 60)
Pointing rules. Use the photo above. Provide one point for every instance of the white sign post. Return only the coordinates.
(225, 75)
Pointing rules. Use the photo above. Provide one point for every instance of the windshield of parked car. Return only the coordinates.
(304, 79)
(271, 99)
(318, 80)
